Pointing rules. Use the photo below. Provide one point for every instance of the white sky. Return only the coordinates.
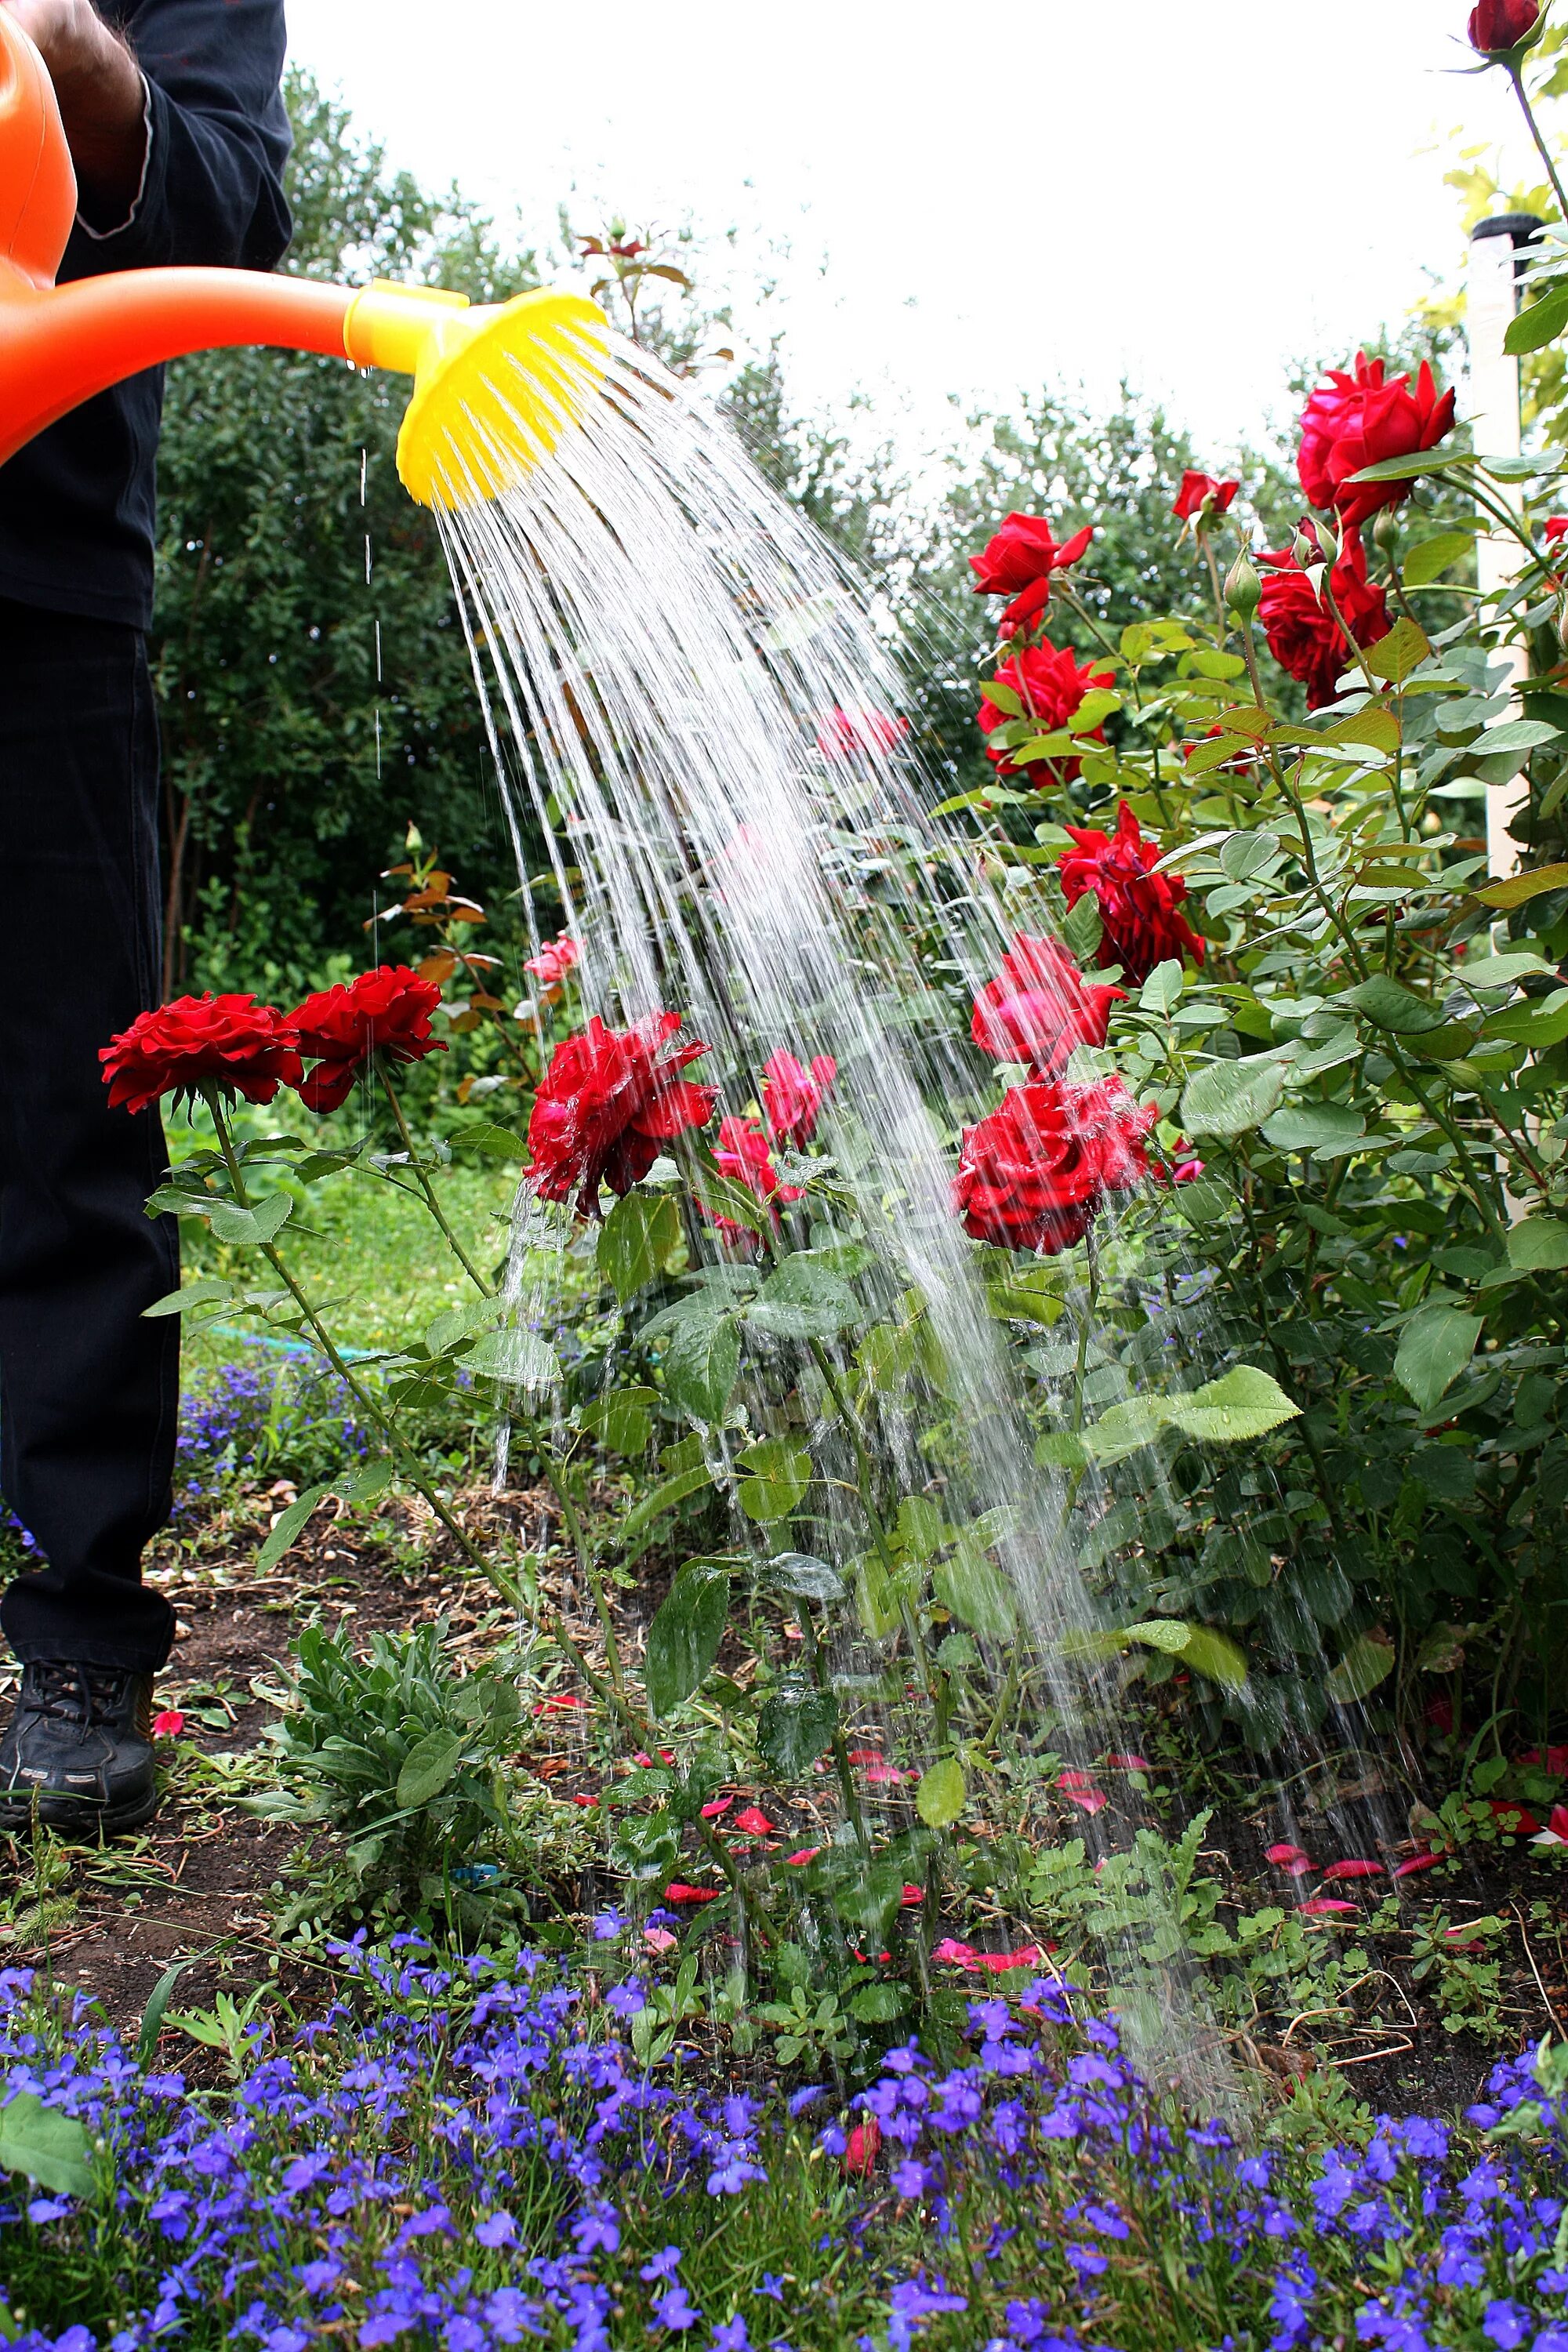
(964, 202)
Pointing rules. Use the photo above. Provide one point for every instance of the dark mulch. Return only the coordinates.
(203, 1887)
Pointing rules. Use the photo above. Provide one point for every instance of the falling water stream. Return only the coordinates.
(687, 696)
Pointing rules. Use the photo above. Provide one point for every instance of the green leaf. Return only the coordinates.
(780, 1473)
(1515, 735)
(797, 1721)
(700, 1361)
(1061, 1450)
(519, 1358)
(1505, 970)
(158, 2000)
(877, 2004)
(492, 1142)
(1364, 1664)
(363, 1485)
(1082, 927)
(1429, 560)
(685, 1635)
(1389, 1006)
(1518, 889)
(1436, 1345)
(1215, 1657)
(1403, 649)
(636, 1240)
(1162, 991)
(427, 1768)
(805, 1300)
(621, 1420)
(1229, 1098)
(1247, 854)
(51, 2148)
(1539, 1023)
(1541, 324)
(636, 1530)
(808, 1578)
(726, 1196)
(290, 1523)
(1171, 1635)
(248, 1228)
(1244, 1404)
(941, 1797)
(875, 1601)
(209, 1292)
(1312, 1126)
(1405, 468)
(1540, 1246)
(1135, 1423)
(976, 1591)
(457, 1324)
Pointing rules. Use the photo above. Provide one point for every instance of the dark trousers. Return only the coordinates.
(89, 1392)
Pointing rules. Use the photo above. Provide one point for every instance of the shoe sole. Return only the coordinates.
(74, 1817)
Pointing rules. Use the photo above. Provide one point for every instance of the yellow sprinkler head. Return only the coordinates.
(494, 386)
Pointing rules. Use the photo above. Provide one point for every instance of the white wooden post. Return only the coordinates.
(1491, 299)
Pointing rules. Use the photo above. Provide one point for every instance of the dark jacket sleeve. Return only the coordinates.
(214, 188)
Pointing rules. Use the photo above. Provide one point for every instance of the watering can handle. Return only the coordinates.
(37, 184)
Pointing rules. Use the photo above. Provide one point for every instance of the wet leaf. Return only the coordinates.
(942, 1794)
(686, 1633)
(1244, 1404)
(796, 1723)
(779, 1474)
(1368, 1662)
(636, 1240)
(1229, 1098)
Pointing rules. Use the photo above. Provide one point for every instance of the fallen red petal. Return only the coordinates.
(1414, 1862)
(680, 1892)
(754, 1822)
(1353, 1870)
(1320, 1905)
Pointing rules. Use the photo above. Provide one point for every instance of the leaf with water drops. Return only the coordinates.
(637, 1239)
(686, 1633)
(942, 1794)
(780, 1473)
(1244, 1404)
(1229, 1098)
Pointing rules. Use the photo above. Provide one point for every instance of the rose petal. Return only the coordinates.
(1286, 1853)
(658, 1939)
(807, 1853)
(754, 1822)
(169, 1724)
(719, 1805)
(1320, 1905)
(1088, 1800)
(1414, 1862)
(1353, 1870)
(678, 1891)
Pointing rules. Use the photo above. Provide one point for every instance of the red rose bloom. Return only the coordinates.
(1051, 683)
(1556, 530)
(609, 1099)
(1497, 24)
(792, 1095)
(1304, 636)
(1140, 917)
(558, 957)
(860, 734)
(1018, 563)
(1031, 1175)
(232, 1040)
(1356, 420)
(1040, 1008)
(1200, 492)
(742, 1154)
(382, 1012)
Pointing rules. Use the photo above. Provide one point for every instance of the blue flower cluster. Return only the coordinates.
(463, 2157)
(272, 1408)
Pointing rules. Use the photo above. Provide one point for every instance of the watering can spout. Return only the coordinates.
(494, 385)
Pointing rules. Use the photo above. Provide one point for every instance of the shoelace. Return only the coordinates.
(73, 1694)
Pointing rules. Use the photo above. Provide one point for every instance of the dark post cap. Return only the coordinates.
(1523, 228)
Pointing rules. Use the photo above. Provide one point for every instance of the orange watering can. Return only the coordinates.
(493, 384)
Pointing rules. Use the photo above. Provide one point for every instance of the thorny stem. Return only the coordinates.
(397, 1445)
(1542, 149)
(866, 1487)
(556, 1477)
(432, 1202)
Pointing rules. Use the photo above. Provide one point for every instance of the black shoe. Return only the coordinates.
(80, 1742)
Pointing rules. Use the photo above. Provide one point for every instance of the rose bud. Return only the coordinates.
(1499, 26)
(1241, 587)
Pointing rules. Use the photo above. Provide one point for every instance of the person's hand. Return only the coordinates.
(99, 85)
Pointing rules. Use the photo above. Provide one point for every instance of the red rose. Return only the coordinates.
(1500, 24)
(1140, 917)
(1358, 420)
(1031, 1175)
(859, 734)
(1556, 529)
(863, 2147)
(230, 1039)
(556, 959)
(742, 1154)
(792, 1095)
(1201, 494)
(1018, 563)
(382, 1012)
(1040, 1008)
(1304, 636)
(609, 1099)
(1051, 684)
